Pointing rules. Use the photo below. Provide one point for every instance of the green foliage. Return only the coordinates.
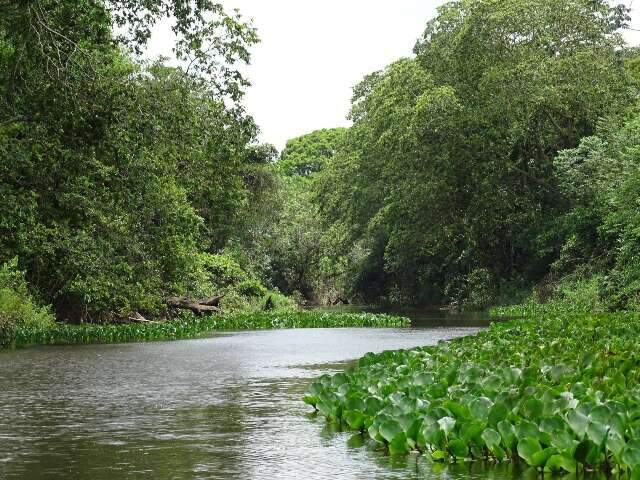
(303, 156)
(502, 155)
(18, 309)
(223, 270)
(222, 274)
(596, 268)
(584, 295)
(448, 170)
(569, 296)
(562, 394)
(189, 326)
(251, 288)
(289, 250)
(475, 291)
(632, 63)
(117, 177)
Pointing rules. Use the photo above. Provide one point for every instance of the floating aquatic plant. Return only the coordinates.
(188, 326)
(560, 393)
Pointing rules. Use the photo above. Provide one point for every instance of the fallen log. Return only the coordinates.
(137, 318)
(195, 306)
(211, 301)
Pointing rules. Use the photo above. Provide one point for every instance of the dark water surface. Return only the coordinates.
(223, 407)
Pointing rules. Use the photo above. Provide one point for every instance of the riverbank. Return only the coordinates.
(558, 391)
(190, 326)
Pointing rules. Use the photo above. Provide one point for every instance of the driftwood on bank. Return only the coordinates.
(199, 307)
(137, 318)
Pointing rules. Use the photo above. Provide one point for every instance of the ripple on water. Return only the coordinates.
(217, 408)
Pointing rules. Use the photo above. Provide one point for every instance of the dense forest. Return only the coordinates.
(500, 158)
(497, 163)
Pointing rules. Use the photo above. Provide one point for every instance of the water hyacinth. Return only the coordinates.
(560, 393)
(189, 326)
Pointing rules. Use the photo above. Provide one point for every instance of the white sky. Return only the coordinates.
(313, 52)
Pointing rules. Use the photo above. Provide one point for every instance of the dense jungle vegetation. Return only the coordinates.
(501, 157)
(497, 164)
(122, 181)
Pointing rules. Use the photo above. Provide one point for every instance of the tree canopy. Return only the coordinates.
(117, 174)
(447, 176)
(499, 156)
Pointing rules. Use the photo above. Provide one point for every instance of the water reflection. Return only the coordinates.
(216, 408)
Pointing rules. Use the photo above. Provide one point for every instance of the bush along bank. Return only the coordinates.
(560, 393)
(19, 310)
(189, 326)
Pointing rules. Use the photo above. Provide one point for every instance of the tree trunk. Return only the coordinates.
(199, 307)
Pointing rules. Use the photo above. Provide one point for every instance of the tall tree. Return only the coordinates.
(451, 154)
(117, 173)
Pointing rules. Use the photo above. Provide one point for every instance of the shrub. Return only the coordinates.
(585, 295)
(251, 288)
(475, 291)
(223, 270)
(223, 274)
(581, 295)
(17, 307)
(481, 291)
(281, 302)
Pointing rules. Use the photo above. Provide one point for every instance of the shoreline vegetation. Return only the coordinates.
(191, 326)
(496, 163)
(495, 160)
(558, 391)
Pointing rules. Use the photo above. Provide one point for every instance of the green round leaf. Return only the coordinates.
(527, 448)
(458, 448)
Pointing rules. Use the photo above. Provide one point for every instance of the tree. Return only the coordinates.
(448, 172)
(117, 174)
(293, 240)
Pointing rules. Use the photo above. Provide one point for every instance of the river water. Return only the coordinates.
(222, 407)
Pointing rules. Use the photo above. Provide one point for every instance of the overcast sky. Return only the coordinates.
(313, 52)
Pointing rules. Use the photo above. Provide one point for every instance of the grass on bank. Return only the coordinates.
(558, 392)
(189, 326)
(23, 321)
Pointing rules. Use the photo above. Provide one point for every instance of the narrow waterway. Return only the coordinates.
(223, 407)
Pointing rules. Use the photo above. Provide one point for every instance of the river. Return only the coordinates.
(222, 407)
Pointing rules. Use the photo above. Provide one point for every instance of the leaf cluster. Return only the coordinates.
(562, 395)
